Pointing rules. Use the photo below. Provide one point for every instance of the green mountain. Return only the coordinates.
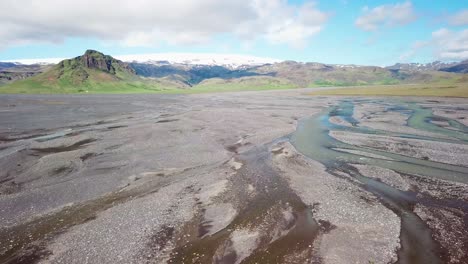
(92, 72)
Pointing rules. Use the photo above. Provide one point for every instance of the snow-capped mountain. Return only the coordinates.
(44, 61)
(227, 60)
(432, 66)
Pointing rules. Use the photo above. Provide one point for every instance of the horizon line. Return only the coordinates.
(176, 57)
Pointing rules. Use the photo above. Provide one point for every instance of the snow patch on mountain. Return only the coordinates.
(432, 66)
(226, 60)
(43, 61)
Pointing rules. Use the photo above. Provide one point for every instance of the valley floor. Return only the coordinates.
(428, 89)
(250, 177)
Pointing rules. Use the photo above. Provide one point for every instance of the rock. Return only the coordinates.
(97, 60)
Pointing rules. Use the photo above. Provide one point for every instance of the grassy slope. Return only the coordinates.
(99, 82)
(33, 86)
(243, 84)
(356, 77)
(321, 75)
(352, 77)
(425, 84)
(251, 84)
(433, 89)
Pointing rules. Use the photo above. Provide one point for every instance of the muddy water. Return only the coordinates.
(313, 140)
(421, 118)
(261, 213)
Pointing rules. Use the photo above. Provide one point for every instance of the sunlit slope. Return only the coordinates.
(92, 72)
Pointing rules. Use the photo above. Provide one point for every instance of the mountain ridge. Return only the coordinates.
(91, 72)
(232, 61)
(95, 72)
(227, 60)
(89, 67)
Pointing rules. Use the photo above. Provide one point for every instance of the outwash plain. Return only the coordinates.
(250, 177)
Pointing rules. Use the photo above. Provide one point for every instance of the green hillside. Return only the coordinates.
(92, 72)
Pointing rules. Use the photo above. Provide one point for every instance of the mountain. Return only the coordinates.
(191, 74)
(11, 72)
(231, 61)
(296, 73)
(91, 72)
(437, 66)
(432, 66)
(318, 74)
(6, 65)
(90, 67)
(99, 73)
(461, 67)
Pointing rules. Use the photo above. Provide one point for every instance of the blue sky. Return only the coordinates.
(336, 31)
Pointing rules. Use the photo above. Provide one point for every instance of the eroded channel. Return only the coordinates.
(418, 245)
(279, 224)
(260, 216)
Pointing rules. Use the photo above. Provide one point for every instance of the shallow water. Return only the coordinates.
(313, 140)
(273, 197)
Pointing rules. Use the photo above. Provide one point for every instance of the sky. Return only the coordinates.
(360, 32)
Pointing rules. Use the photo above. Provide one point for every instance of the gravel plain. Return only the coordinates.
(214, 179)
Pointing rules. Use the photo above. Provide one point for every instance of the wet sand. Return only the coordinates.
(252, 177)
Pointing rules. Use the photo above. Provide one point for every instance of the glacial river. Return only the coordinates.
(312, 139)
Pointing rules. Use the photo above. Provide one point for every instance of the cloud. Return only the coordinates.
(415, 47)
(386, 15)
(149, 22)
(446, 45)
(449, 44)
(279, 22)
(459, 19)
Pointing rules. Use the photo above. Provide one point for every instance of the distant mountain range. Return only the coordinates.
(231, 61)
(96, 72)
(459, 67)
(5, 65)
(300, 74)
(433, 66)
(10, 72)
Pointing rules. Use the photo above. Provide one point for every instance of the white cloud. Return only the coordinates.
(459, 19)
(450, 45)
(149, 22)
(278, 22)
(386, 15)
(446, 45)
